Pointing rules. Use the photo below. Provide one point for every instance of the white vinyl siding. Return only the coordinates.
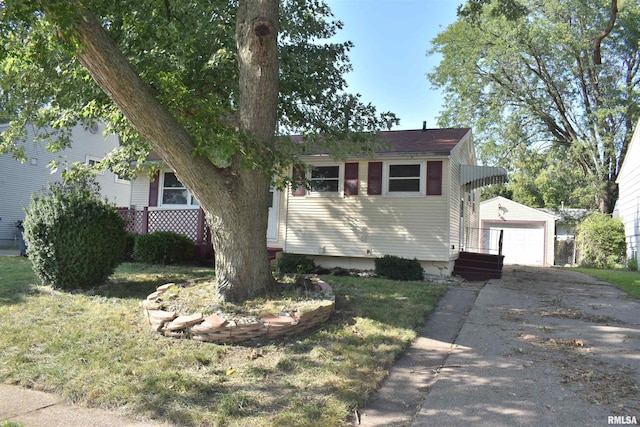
(629, 194)
(463, 153)
(369, 226)
(140, 191)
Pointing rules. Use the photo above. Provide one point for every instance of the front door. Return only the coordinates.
(274, 204)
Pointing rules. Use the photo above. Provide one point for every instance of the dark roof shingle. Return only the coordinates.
(423, 141)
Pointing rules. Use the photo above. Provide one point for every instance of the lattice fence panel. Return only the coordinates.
(179, 221)
(183, 221)
(133, 220)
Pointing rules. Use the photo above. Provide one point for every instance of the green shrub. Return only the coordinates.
(295, 263)
(74, 239)
(397, 268)
(601, 241)
(163, 247)
(128, 248)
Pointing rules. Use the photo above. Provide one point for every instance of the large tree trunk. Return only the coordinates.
(234, 198)
(239, 231)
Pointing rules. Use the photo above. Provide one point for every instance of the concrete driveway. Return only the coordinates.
(542, 346)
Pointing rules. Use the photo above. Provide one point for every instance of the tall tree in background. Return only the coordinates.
(206, 84)
(559, 77)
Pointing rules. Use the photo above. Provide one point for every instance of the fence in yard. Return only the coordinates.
(190, 222)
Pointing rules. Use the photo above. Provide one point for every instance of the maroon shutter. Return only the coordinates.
(374, 184)
(153, 190)
(351, 179)
(434, 178)
(298, 172)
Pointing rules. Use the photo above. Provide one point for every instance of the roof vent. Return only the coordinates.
(424, 125)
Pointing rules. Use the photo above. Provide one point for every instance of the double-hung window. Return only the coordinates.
(174, 192)
(405, 178)
(325, 180)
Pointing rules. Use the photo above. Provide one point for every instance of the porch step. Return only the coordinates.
(475, 266)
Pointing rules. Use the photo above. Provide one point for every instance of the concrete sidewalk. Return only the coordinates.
(35, 408)
(409, 380)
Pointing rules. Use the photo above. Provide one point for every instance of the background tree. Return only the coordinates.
(555, 78)
(205, 84)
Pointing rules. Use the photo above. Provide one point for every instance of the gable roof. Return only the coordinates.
(421, 141)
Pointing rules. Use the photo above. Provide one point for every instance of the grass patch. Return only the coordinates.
(94, 348)
(628, 281)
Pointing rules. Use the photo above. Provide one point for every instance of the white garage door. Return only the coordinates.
(522, 243)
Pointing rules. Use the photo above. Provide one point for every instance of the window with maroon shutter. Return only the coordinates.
(404, 178)
(174, 193)
(434, 178)
(324, 180)
(351, 179)
(154, 184)
(299, 173)
(374, 180)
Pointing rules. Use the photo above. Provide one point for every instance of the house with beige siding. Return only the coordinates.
(18, 181)
(416, 198)
(628, 206)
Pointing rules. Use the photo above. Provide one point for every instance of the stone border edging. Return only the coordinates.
(214, 328)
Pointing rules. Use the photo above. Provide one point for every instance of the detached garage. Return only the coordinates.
(528, 233)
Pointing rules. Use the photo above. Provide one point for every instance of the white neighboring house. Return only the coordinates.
(529, 233)
(628, 205)
(19, 180)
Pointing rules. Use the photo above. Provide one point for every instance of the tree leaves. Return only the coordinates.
(531, 65)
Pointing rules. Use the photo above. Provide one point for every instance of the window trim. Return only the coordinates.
(161, 188)
(340, 180)
(385, 178)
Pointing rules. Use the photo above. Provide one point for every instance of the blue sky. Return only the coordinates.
(389, 59)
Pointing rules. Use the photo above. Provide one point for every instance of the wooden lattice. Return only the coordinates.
(189, 222)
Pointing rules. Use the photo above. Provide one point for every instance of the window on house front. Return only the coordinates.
(174, 193)
(325, 179)
(404, 178)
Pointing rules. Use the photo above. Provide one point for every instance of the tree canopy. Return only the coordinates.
(207, 84)
(551, 89)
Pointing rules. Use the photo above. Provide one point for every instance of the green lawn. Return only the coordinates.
(628, 281)
(95, 349)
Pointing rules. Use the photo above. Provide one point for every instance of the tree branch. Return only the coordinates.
(597, 59)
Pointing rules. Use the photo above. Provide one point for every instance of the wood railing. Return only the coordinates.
(189, 222)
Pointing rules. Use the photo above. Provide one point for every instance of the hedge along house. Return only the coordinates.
(416, 198)
(18, 181)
